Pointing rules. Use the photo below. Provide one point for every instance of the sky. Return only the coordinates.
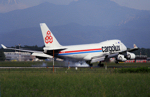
(9, 5)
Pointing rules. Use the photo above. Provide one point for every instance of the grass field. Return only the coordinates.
(84, 82)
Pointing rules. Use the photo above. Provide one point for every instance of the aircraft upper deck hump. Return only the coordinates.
(49, 39)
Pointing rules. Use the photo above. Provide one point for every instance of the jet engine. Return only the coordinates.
(130, 56)
(121, 58)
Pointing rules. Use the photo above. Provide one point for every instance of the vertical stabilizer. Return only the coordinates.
(49, 39)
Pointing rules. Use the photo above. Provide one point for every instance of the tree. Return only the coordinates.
(2, 56)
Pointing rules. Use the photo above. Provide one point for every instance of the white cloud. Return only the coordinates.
(36, 2)
(60, 2)
(7, 7)
(136, 4)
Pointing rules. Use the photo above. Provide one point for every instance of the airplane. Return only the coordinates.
(89, 53)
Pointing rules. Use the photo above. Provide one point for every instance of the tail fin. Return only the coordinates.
(49, 39)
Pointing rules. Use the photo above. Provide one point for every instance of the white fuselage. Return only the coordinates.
(88, 51)
(85, 52)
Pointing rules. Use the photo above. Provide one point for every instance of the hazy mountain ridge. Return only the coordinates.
(86, 21)
(73, 33)
(83, 12)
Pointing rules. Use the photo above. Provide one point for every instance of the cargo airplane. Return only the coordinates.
(88, 53)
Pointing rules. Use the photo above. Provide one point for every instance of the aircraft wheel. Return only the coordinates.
(116, 62)
(101, 65)
(91, 65)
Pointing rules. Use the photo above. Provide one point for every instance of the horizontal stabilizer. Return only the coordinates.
(42, 55)
(55, 48)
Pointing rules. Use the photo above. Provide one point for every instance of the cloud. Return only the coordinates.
(6, 8)
(10, 5)
(8, 1)
(59, 2)
(36, 2)
(136, 4)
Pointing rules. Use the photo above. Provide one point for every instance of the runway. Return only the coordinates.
(70, 67)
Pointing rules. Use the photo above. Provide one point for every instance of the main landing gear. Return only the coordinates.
(100, 64)
(91, 65)
(89, 62)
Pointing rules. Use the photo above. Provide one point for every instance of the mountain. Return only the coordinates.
(83, 21)
(84, 12)
(73, 33)
(33, 36)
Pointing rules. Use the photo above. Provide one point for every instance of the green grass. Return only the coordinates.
(84, 82)
(134, 70)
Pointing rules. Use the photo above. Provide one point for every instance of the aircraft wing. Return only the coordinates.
(97, 59)
(133, 49)
(105, 57)
(35, 53)
(31, 51)
(130, 50)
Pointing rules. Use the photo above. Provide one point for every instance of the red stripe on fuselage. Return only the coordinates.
(80, 50)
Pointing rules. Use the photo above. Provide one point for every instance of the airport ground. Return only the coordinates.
(84, 82)
(61, 64)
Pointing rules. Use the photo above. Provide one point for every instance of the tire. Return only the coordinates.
(101, 65)
(91, 65)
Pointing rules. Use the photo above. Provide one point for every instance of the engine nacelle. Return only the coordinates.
(130, 56)
(121, 58)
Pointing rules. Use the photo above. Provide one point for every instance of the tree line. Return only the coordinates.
(140, 51)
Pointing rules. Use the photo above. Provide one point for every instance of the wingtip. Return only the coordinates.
(134, 45)
(4, 47)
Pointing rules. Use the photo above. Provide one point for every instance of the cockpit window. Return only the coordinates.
(119, 42)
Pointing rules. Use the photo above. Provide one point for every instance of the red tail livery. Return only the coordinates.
(48, 38)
